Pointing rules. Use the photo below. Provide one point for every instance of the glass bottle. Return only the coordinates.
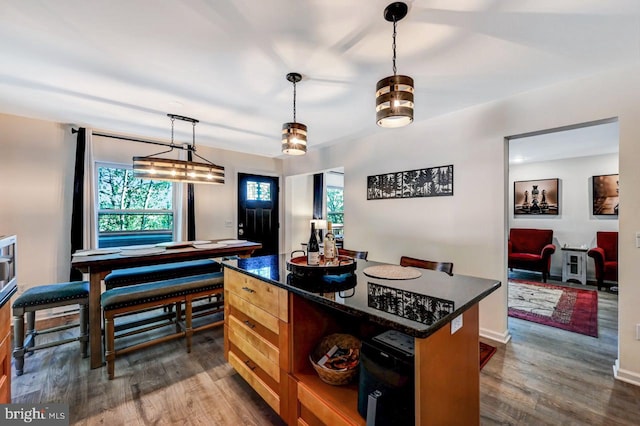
(330, 251)
(313, 247)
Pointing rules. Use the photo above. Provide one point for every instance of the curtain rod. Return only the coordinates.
(125, 138)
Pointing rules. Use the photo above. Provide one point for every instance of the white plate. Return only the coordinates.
(174, 244)
(209, 246)
(143, 251)
(140, 247)
(96, 252)
(193, 243)
(232, 241)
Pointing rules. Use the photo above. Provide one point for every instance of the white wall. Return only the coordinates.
(575, 224)
(470, 227)
(36, 182)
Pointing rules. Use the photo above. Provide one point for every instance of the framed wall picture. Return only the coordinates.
(536, 197)
(605, 195)
(427, 182)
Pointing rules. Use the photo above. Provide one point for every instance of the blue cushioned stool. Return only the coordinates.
(122, 301)
(165, 271)
(45, 297)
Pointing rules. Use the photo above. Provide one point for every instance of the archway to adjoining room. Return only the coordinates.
(563, 181)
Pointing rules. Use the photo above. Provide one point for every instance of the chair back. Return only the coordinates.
(526, 240)
(446, 267)
(353, 253)
(608, 241)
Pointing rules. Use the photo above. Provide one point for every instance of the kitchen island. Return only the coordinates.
(274, 319)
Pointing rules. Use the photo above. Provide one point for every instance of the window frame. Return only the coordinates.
(97, 210)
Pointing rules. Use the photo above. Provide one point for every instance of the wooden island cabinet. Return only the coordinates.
(8, 287)
(274, 321)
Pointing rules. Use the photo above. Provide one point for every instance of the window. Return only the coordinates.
(131, 210)
(258, 191)
(335, 209)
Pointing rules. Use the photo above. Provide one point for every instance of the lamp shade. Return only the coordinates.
(177, 170)
(394, 101)
(294, 138)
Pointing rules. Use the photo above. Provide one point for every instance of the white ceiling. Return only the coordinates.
(120, 65)
(571, 143)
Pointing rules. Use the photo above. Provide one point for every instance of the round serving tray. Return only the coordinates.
(340, 265)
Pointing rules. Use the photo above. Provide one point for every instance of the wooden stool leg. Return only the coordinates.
(187, 320)
(84, 334)
(30, 339)
(18, 340)
(110, 354)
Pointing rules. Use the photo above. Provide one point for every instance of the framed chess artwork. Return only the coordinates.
(536, 197)
(605, 195)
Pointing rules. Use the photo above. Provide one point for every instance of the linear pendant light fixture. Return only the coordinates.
(153, 167)
(394, 94)
(294, 135)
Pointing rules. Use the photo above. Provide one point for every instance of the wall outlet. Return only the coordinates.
(456, 324)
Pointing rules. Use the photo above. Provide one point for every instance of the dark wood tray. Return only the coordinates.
(340, 265)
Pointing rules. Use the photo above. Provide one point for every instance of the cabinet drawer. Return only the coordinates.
(5, 320)
(259, 350)
(260, 316)
(266, 296)
(320, 408)
(268, 394)
(5, 370)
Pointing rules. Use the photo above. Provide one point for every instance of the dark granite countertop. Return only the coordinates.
(417, 307)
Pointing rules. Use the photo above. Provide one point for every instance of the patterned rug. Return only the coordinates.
(568, 308)
(486, 352)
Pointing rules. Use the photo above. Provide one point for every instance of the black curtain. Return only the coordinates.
(317, 195)
(191, 211)
(77, 210)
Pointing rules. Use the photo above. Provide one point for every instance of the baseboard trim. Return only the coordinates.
(625, 375)
(503, 337)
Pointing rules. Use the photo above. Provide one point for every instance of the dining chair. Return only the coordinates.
(353, 253)
(446, 267)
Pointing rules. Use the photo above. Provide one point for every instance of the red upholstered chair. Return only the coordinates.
(531, 249)
(605, 257)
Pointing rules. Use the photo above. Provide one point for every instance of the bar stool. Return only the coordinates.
(45, 297)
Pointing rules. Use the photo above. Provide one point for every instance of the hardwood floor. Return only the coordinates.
(543, 376)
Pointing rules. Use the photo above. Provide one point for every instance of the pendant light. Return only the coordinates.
(294, 135)
(394, 94)
(153, 167)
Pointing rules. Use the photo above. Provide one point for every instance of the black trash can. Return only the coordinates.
(386, 385)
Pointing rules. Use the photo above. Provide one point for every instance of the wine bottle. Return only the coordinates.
(330, 251)
(313, 247)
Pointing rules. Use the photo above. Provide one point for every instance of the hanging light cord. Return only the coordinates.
(194, 137)
(394, 45)
(294, 101)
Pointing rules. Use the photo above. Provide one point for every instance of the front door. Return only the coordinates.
(258, 211)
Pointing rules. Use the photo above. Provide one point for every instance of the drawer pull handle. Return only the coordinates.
(250, 367)
(249, 324)
(250, 290)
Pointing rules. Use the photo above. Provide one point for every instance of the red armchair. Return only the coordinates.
(531, 249)
(605, 257)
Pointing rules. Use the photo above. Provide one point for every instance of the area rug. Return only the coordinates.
(486, 352)
(568, 308)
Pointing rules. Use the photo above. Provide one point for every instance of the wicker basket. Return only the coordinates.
(335, 377)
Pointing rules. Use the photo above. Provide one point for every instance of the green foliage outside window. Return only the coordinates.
(127, 203)
(335, 205)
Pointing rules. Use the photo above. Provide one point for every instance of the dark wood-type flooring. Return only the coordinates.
(543, 376)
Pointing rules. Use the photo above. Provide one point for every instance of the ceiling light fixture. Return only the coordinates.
(152, 167)
(394, 94)
(294, 135)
